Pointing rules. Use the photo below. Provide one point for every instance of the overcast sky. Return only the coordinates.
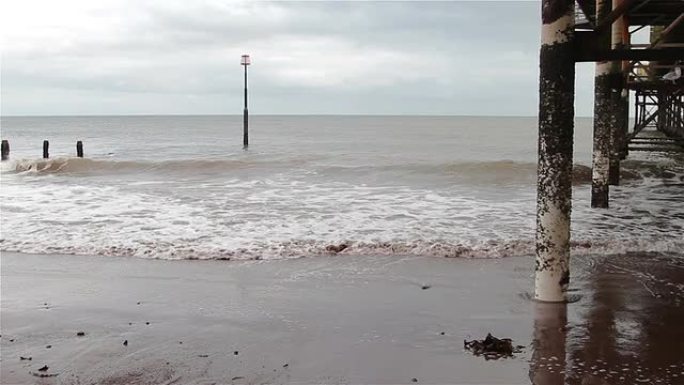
(71, 57)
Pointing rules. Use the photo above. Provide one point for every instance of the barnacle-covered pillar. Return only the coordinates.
(623, 124)
(604, 121)
(618, 134)
(554, 166)
(623, 108)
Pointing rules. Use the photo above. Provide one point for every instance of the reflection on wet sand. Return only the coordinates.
(548, 356)
(628, 327)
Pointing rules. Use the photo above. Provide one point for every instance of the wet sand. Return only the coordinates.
(336, 320)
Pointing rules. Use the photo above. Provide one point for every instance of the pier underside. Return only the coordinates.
(601, 31)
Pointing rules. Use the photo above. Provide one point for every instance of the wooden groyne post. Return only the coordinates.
(46, 149)
(79, 149)
(554, 166)
(5, 149)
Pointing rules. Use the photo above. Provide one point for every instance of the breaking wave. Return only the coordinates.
(81, 166)
(494, 171)
(268, 217)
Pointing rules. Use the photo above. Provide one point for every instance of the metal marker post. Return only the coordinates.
(245, 61)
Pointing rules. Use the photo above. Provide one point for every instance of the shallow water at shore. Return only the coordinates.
(180, 187)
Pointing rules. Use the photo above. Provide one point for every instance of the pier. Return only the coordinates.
(600, 31)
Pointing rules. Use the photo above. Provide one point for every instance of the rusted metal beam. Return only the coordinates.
(668, 29)
(642, 125)
(605, 23)
(586, 6)
(658, 7)
(659, 54)
(588, 49)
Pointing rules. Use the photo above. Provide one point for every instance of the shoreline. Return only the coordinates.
(334, 319)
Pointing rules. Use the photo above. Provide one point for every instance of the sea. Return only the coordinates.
(183, 187)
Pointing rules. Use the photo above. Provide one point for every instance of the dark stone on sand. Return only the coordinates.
(11, 340)
(48, 347)
(25, 358)
(147, 322)
(203, 355)
(442, 333)
(336, 248)
(236, 378)
(130, 323)
(286, 365)
(414, 380)
(235, 352)
(223, 259)
(138, 303)
(491, 347)
(180, 342)
(125, 343)
(80, 334)
(43, 369)
(425, 287)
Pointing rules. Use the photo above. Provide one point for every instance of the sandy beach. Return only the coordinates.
(339, 320)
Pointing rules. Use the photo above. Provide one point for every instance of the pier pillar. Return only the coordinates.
(79, 149)
(615, 141)
(603, 122)
(623, 122)
(555, 146)
(623, 108)
(46, 149)
(5, 150)
(618, 135)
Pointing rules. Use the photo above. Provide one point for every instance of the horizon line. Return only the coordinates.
(285, 114)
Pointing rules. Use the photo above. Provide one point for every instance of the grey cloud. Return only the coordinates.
(320, 57)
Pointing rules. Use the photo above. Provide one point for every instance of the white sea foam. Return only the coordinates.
(279, 219)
